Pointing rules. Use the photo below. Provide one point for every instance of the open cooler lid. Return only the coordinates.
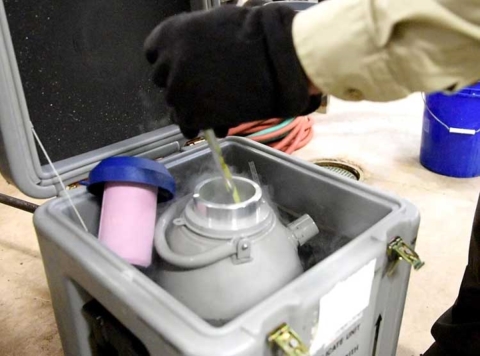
(76, 71)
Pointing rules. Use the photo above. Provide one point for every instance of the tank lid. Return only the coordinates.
(133, 170)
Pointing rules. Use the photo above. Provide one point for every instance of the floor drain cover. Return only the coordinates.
(341, 168)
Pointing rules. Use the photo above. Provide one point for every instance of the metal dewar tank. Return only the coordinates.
(223, 258)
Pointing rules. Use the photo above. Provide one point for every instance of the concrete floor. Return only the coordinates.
(382, 139)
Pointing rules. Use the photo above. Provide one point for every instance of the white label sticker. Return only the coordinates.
(462, 131)
(343, 306)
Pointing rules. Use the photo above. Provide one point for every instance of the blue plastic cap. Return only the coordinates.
(134, 170)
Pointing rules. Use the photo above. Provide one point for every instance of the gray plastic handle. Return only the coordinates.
(195, 261)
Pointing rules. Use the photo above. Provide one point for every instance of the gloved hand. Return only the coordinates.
(229, 65)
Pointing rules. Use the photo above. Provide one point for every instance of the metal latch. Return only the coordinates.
(288, 341)
(398, 250)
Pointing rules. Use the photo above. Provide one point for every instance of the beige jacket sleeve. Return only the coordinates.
(383, 50)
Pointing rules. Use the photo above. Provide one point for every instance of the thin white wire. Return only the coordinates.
(435, 116)
(59, 178)
(253, 171)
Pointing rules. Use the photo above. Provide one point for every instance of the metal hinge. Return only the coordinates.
(73, 186)
(288, 341)
(398, 250)
(195, 141)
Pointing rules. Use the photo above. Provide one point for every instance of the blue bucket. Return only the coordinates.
(451, 133)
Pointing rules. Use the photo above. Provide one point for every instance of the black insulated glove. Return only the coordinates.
(229, 65)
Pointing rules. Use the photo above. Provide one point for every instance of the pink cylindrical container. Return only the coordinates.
(130, 189)
(127, 222)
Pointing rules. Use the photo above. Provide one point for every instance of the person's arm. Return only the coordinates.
(383, 50)
(230, 65)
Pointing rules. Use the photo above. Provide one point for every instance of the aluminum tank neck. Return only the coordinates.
(212, 213)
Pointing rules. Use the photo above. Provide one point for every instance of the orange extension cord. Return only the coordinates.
(287, 138)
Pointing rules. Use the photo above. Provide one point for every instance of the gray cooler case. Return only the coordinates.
(89, 99)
